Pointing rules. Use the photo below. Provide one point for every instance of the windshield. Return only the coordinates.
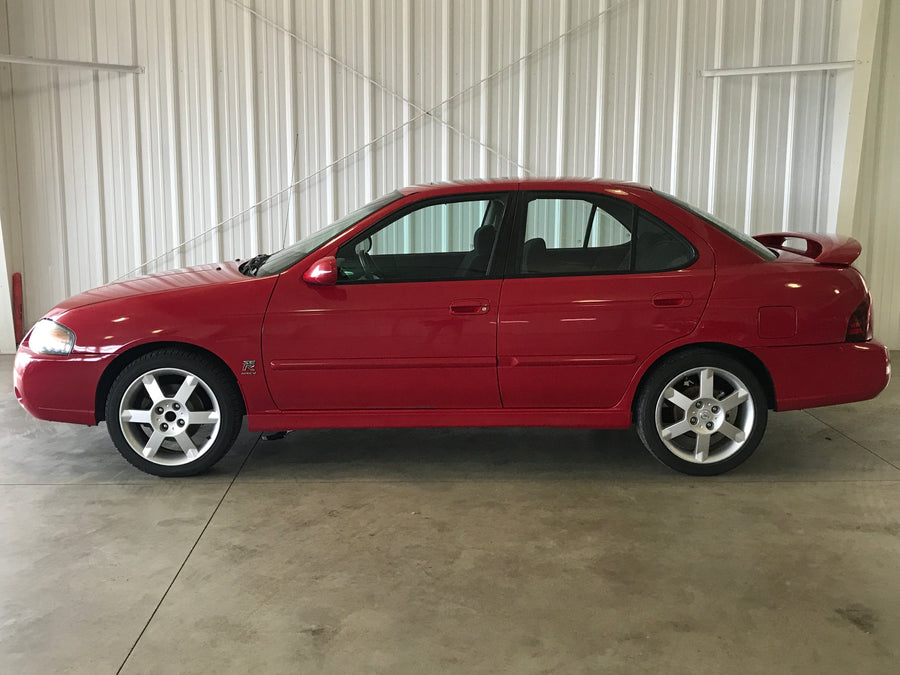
(280, 261)
(741, 237)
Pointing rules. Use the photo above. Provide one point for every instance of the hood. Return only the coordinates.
(189, 277)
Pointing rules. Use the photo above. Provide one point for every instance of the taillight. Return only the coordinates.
(859, 328)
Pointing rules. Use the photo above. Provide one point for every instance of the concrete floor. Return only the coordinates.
(414, 551)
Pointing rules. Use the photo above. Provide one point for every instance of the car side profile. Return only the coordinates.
(560, 303)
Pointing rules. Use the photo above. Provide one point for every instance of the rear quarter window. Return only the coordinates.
(741, 237)
(659, 247)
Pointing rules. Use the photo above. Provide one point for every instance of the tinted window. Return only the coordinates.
(438, 241)
(570, 235)
(659, 247)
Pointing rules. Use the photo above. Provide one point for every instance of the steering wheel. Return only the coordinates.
(369, 267)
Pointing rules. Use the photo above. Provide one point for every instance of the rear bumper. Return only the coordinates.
(817, 375)
(57, 388)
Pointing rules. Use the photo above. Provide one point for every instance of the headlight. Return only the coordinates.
(49, 337)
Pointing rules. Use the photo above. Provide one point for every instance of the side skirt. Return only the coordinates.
(525, 417)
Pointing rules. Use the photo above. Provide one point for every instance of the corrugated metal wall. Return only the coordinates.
(103, 174)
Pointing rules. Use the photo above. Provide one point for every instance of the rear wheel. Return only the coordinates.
(173, 412)
(701, 412)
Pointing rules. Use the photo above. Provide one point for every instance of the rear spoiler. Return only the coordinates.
(827, 249)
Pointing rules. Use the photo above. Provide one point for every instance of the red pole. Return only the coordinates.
(18, 317)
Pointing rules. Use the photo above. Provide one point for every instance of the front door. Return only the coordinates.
(411, 323)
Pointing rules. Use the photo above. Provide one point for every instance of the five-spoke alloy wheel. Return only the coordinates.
(701, 412)
(173, 413)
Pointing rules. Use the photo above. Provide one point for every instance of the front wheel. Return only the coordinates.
(701, 413)
(173, 412)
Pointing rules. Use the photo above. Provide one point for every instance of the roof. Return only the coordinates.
(593, 184)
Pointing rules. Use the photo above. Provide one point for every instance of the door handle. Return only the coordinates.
(470, 306)
(673, 299)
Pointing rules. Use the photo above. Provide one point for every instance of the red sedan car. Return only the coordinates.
(565, 303)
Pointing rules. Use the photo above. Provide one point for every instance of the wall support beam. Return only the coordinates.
(66, 63)
(774, 70)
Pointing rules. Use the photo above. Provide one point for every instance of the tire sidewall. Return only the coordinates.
(662, 374)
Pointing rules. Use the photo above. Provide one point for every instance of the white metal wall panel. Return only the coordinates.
(40, 221)
(193, 160)
(9, 180)
(878, 203)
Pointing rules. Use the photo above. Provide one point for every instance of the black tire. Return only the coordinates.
(701, 412)
(166, 402)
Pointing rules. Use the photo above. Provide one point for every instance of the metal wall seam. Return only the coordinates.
(822, 175)
(98, 147)
(523, 117)
(716, 99)
(754, 114)
(677, 105)
(446, 21)
(138, 237)
(213, 113)
(175, 115)
(56, 114)
(329, 121)
(791, 121)
(600, 98)
(254, 129)
(639, 76)
(406, 57)
(368, 105)
(562, 91)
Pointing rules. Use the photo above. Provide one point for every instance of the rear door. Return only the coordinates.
(594, 286)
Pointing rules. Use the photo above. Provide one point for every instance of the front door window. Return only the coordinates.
(436, 242)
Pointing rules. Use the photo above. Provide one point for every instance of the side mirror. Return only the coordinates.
(323, 272)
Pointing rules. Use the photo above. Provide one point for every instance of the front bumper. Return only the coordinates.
(815, 375)
(58, 388)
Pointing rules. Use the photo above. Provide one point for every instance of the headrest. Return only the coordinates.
(484, 238)
(534, 246)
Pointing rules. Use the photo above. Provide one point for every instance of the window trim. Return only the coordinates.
(498, 254)
(590, 225)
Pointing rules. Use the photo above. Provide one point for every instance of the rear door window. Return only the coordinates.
(574, 234)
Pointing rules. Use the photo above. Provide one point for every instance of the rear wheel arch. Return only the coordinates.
(745, 357)
(125, 358)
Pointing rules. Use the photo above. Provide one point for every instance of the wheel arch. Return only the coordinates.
(122, 360)
(747, 358)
